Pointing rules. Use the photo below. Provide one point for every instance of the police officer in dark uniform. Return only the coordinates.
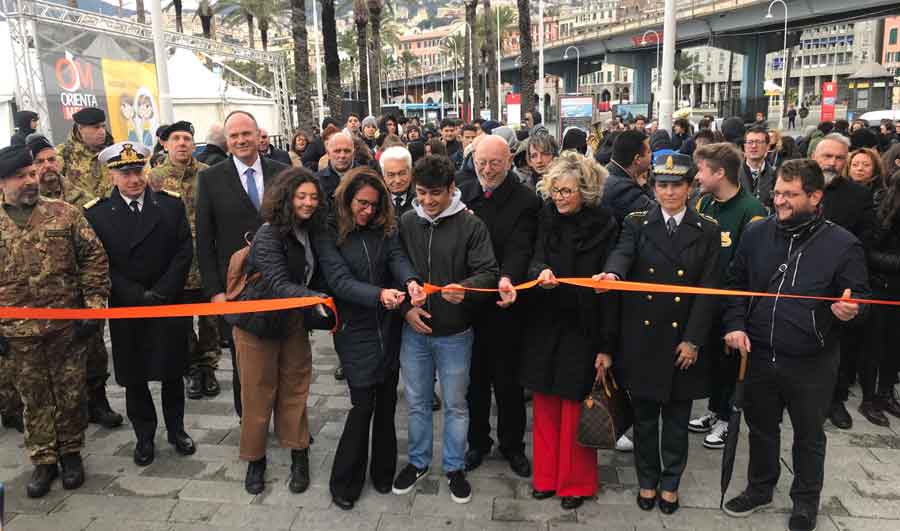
(661, 334)
(148, 241)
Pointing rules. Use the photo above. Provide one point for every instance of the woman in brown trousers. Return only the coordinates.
(273, 352)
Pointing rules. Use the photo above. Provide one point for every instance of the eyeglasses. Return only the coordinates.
(366, 205)
(787, 195)
(755, 142)
(494, 164)
(563, 193)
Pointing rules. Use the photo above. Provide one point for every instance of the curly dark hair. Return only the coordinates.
(434, 171)
(278, 200)
(352, 182)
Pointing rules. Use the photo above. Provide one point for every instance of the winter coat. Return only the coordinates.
(356, 271)
(761, 188)
(884, 260)
(850, 205)
(651, 325)
(568, 326)
(623, 195)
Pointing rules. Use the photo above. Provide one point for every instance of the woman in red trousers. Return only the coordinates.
(569, 327)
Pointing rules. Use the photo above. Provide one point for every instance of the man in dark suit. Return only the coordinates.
(228, 198)
(269, 151)
(510, 210)
(148, 240)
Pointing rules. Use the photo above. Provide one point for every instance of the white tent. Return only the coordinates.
(7, 87)
(203, 97)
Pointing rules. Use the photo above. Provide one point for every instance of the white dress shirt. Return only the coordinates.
(678, 217)
(139, 199)
(257, 175)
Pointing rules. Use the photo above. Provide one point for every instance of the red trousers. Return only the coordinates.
(560, 464)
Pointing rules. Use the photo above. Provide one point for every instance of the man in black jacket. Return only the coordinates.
(214, 150)
(509, 209)
(229, 195)
(794, 357)
(757, 176)
(341, 158)
(849, 205)
(448, 247)
(626, 189)
(268, 150)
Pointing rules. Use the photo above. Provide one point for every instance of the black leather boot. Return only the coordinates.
(194, 384)
(72, 471)
(99, 411)
(14, 421)
(210, 383)
(255, 482)
(41, 479)
(299, 471)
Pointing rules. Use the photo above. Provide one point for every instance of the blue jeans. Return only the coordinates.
(420, 356)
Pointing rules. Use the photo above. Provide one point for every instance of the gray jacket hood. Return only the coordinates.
(456, 206)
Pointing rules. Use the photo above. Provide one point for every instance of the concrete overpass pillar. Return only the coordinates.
(642, 80)
(754, 70)
(570, 81)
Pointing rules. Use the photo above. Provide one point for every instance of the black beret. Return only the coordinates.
(13, 159)
(36, 143)
(89, 116)
(863, 138)
(178, 126)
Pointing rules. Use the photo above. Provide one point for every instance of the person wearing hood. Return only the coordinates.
(448, 247)
(26, 122)
(79, 153)
(370, 132)
(510, 211)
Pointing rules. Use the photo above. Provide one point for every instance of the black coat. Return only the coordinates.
(212, 155)
(224, 215)
(653, 324)
(762, 187)
(884, 261)
(278, 155)
(623, 195)
(850, 205)
(568, 326)
(356, 271)
(150, 251)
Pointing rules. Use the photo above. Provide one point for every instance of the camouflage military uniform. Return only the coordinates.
(10, 403)
(204, 345)
(81, 168)
(55, 261)
(56, 187)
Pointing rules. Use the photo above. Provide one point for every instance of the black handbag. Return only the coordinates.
(606, 415)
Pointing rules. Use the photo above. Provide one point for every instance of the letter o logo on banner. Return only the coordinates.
(67, 74)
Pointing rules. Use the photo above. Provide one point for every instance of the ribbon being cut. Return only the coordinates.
(224, 308)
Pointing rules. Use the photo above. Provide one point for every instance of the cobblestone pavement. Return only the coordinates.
(205, 491)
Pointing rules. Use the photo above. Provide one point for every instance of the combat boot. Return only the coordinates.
(299, 470)
(210, 383)
(72, 471)
(99, 411)
(14, 421)
(195, 384)
(41, 479)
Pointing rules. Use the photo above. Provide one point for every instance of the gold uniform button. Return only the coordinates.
(674, 324)
(681, 272)
(646, 323)
(649, 297)
(677, 299)
(651, 270)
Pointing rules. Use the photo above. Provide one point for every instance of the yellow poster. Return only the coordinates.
(132, 100)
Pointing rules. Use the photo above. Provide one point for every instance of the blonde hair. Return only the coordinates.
(588, 173)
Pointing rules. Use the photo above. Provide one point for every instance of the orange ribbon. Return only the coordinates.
(624, 285)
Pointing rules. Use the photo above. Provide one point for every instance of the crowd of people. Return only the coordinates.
(371, 210)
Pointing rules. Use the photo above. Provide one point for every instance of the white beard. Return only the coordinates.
(829, 175)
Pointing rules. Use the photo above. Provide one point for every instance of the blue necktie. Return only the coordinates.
(252, 192)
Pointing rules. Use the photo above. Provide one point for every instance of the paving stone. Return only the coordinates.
(334, 520)
(115, 524)
(843, 523)
(193, 512)
(125, 508)
(254, 517)
(315, 497)
(45, 522)
(184, 468)
(394, 522)
(147, 487)
(517, 510)
(215, 491)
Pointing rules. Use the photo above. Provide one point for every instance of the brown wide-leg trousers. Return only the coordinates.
(275, 376)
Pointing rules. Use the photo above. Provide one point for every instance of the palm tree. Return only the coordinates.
(332, 61)
(266, 13)
(686, 71)
(347, 45)
(407, 61)
(301, 64)
(375, 8)
(388, 64)
(361, 19)
(234, 12)
(492, 79)
(139, 7)
(526, 54)
(473, 81)
(509, 21)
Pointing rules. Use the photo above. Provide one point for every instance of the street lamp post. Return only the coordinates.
(666, 96)
(577, 65)
(499, 78)
(541, 58)
(783, 59)
(658, 73)
(455, 71)
(318, 65)
(471, 73)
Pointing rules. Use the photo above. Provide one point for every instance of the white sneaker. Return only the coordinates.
(624, 444)
(717, 436)
(703, 424)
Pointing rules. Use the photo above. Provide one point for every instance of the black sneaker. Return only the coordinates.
(407, 479)
(802, 520)
(744, 505)
(460, 490)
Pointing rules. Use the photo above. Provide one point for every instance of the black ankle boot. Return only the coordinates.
(72, 471)
(255, 481)
(99, 411)
(299, 471)
(41, 479)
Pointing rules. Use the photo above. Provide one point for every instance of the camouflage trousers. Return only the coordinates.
(10, 403)
(51, 379)
(97, 362)
(203, 345)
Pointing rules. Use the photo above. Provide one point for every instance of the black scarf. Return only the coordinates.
(804, 224)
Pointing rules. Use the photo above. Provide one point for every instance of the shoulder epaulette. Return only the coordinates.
(639, 213)
(171, 193)
(91, 203)
(711, 219)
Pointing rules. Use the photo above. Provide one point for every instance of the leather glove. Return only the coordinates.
(152, 298)
(4, 347)
(87, 327)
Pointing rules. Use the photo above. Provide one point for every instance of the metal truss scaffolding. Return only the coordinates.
(23, 14)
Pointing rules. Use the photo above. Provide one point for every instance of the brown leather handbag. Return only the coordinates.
(606, 415)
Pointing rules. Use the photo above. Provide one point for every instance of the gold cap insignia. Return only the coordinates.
(669, 162)
(128, 154)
